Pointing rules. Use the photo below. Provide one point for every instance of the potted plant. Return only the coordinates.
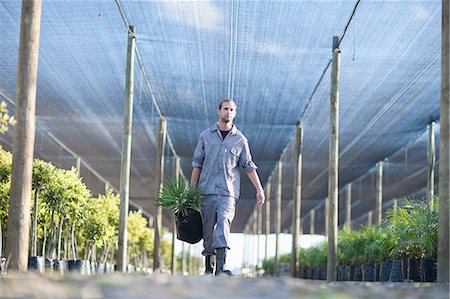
(184, 202)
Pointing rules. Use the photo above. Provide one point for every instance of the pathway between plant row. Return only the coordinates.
(133, 286)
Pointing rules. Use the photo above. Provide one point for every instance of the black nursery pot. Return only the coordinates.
(60, 266)
(368, 272)
(357, 272)
(385, 271)
(36, 263)
(2, 265)
(190, 228)
(429, 269)
(80, 266)
(341, 273)
(396, 271)
(413, 269)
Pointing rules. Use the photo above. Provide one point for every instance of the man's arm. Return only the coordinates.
(254, 178)
(195, 175)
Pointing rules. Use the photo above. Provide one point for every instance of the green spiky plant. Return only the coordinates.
(179, 198)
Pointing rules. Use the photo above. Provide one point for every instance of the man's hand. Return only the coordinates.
(260, 197)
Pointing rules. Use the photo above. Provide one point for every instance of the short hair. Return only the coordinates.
(227, 101)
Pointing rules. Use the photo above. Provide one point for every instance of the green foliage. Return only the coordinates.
(101, 219)
(5, 119)
(179, 197)
(416, 226)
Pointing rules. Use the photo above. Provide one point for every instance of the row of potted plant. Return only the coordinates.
(68, 223)
(403, 247)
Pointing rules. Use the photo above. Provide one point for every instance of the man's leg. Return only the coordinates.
(225, 215)
(209, 220)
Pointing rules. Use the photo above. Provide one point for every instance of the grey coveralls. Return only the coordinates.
(219, 160)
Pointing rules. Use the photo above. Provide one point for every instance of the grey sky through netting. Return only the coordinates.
(270, 57)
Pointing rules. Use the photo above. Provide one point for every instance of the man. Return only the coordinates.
(220, 151)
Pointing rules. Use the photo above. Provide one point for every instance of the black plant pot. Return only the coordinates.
(385, 271)
(190, 228)
(368, 271)
(348, 273)
(36, 263)
(357, 272)
(301, 273)
(101, 267)
(2, 265)
(341, 276)
(308, 273)
(60, 266)
(397, 272)
(80, 266)
(49, 264)
(413, 270)
(322, 273)
(377, 271)
(429, 269)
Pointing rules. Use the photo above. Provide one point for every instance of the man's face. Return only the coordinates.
(227, 112)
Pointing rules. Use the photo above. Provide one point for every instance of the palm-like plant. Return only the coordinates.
(180, 198)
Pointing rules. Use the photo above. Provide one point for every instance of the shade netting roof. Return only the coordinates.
(272, 57)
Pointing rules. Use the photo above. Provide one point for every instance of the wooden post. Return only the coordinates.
(326, 214)
(333, 162)
(431, 160)
(174, 227)
(444, 153)
(258, 255)
(267, 204)
(312, 221)
(160, 172)
(278, 218)
(370, 218)
(126, 153)
(348, 210)
(183, 258)
(254, 234)
(379, 202)
(296, 227)
(17, 240)
(79, 166)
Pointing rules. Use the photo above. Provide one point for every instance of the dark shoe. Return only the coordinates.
(221, 255)
(209, 265)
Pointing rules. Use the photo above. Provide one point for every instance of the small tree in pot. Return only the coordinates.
(185, 203)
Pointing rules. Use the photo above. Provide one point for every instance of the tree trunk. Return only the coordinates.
(50, 236)
(60, 224)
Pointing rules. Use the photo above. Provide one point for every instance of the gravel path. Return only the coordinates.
(134, 286)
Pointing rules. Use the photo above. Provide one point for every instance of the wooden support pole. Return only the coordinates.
(174, 227)
(333, 162)
(348, 210)
(312, 221)
(183, 258)
(379, 201)
(160, 171)
(326, 216)
(17, 239)
(258, 247)
(370, 218)
(278, 218)
(431, 161)
(126, 153)
(254, 239)
(267, 207)
(296, 227)
(444, 153)
(79, 166)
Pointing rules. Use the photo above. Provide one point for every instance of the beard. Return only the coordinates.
(226, 119)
